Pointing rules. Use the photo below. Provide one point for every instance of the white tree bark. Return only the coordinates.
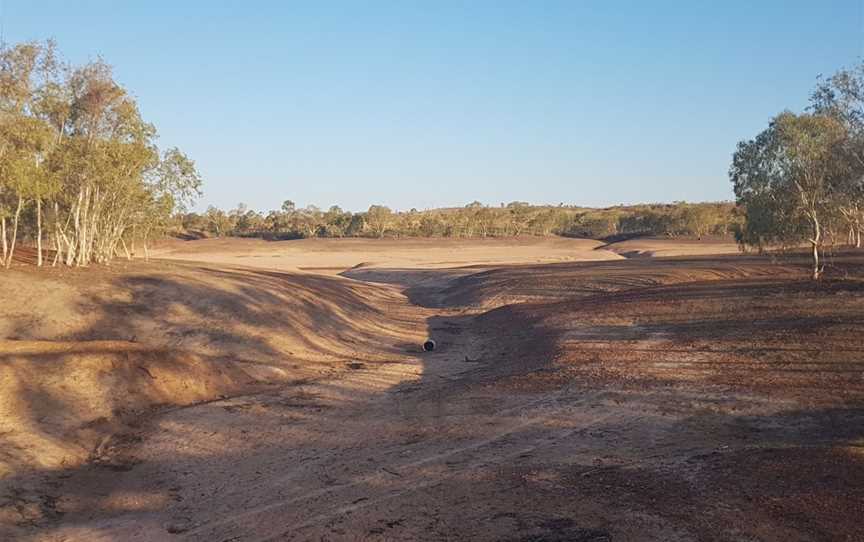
(39, 232)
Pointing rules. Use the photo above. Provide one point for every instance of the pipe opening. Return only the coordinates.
(429, 345)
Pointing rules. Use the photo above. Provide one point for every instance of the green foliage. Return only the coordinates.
(176, 178)
(378, 219)
(72, 141)
(800, 180)
(473, 220)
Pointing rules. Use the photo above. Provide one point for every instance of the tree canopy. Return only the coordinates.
(472, 220)
(78, 164)
(800, 180)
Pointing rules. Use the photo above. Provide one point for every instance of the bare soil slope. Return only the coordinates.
(532, 283)
(692, 398)
(656, 247)
(85, 349)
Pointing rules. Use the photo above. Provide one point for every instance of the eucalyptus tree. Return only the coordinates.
(791, 179)
(218, 221)
(24, 138)
(379, 218)
(308, 220)
(169, 185)
(519, 215)
(841, 96)
(336, 221)
(73, 139)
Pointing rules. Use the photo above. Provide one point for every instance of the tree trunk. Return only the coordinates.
(3, 233)
(39, 232)
(815, 261)
(817, 238)
(125, 249)
(83, 230)
(76, 233)
(58, 254)
(14, 232)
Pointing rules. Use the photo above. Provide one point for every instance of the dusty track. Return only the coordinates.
(688, 399)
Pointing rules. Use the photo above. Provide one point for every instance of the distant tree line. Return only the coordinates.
(80, 175)
(801, 180)
(472, 220)
(82, 180)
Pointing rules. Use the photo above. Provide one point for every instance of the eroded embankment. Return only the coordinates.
(556, 282)
(734, 381)
(571, 414)
(84, 350)
(746, 323)
(786, 337)
(60, 399)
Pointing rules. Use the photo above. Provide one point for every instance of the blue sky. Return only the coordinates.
(439, 103)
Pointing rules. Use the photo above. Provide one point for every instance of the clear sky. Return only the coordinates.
(439, 103)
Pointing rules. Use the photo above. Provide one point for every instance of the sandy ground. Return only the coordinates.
(688, 398)
(337, 255)
(664, 247)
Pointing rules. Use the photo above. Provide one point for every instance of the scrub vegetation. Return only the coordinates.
(79, 167)
(801, 180)
(473, 220)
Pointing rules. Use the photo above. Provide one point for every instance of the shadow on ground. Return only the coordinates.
(727, 405)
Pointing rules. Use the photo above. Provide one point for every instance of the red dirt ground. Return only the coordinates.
(685, 398)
